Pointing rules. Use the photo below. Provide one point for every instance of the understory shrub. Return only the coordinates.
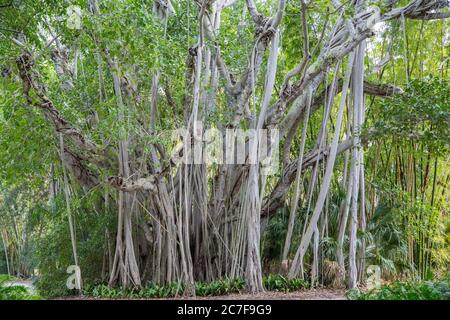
(14, 292)
(276, 282)
(202, 289)
(424, 290)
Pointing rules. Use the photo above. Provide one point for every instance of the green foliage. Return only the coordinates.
(14, 292)
(399, 220)
(427, 290)
(276, 282)
(421, 114)
(275, 232)
(3, 265)
(53, 251)
(202, 289)
(219, 287)
(387, 246)
(5, 277)
(128, 31)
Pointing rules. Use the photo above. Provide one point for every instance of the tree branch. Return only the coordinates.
(276, 199)
(28, 77)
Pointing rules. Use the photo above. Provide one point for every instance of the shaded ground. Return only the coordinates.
(312, 294)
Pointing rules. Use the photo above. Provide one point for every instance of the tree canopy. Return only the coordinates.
(353, 96)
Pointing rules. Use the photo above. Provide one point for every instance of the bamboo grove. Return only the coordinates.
(357, 91)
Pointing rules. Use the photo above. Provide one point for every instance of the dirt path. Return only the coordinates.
(313, 294)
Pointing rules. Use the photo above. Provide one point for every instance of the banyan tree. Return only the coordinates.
(113, 83)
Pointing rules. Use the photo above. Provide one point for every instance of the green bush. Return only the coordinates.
(202, 289)
(425, 290)
(14, 292)
(219, 287)
(276, 282)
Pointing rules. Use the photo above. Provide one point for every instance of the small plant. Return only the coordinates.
(202, 289)
(279, 283)
(219, 287)
(426, 290)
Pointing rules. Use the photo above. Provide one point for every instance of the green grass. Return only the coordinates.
(424, 290)
(8, 292)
